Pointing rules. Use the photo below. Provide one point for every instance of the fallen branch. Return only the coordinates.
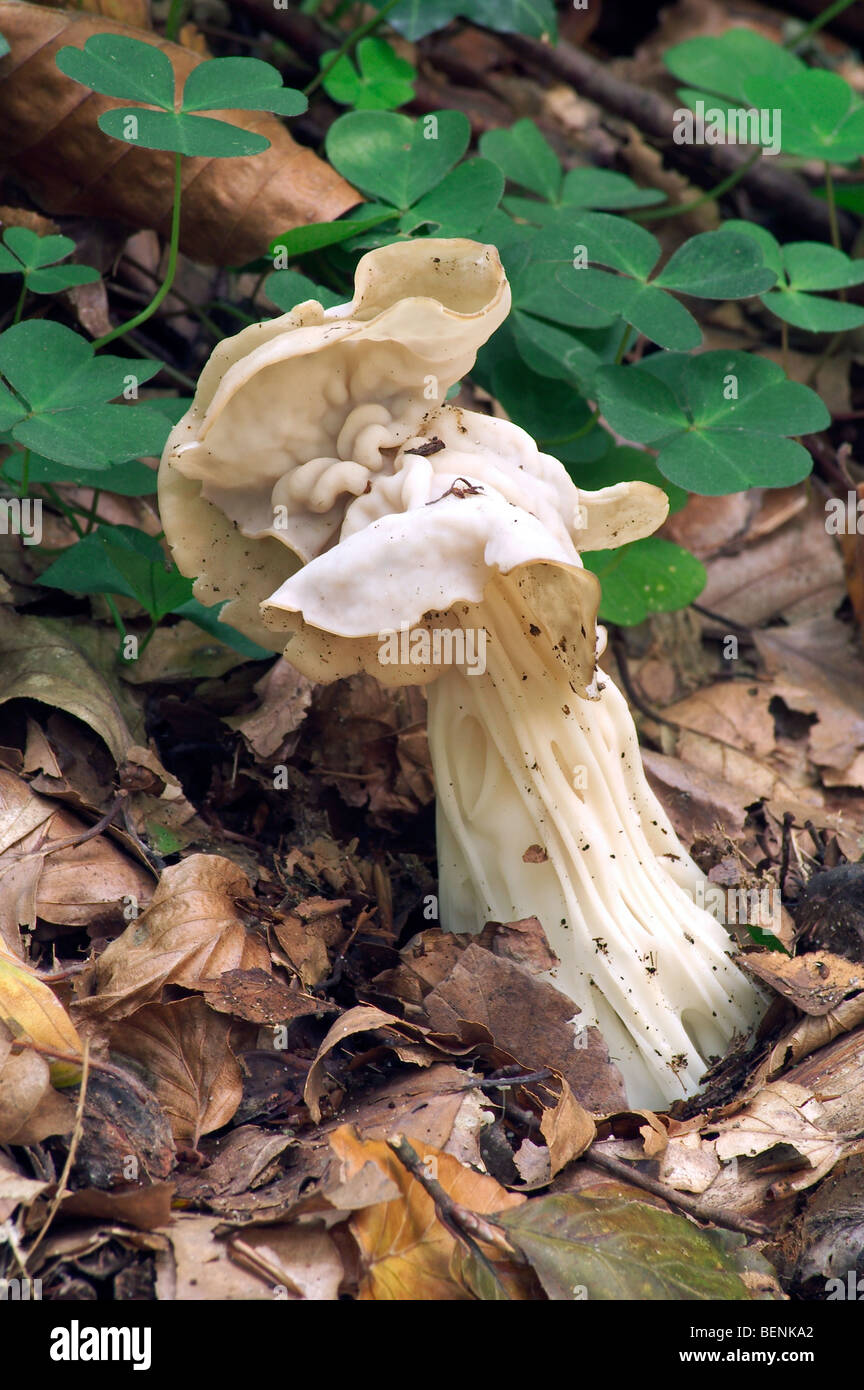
(718, 1216)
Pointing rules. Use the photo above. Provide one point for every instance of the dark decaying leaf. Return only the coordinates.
(601, 1248)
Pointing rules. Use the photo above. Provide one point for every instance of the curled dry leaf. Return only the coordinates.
(15, 1188)
(184, 1051)
(271, 730)
(75, 886)
(405, 1249)
(40, 662)
(30, 1108)
(813, 1032)
(190, 932)
(567, 1128)
(232, 209)
(816, 982)
(528, 1018)
(780, 1143)
(259, 997)
(410, 1041)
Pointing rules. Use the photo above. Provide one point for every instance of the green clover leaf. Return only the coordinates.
(288, 288)
(525, 158)
(380, 80)
(720, 421)
(410, 164)
(804, 268)
(131, 70)
(648, 576)
(26, 253)
(724, 65)
(120, 560)
(54, 398)
(394, 158)
(822, 118)
(414, 19)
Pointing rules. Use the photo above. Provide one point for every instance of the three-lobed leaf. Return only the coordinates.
(56, 394)
(378, 81)
(131, 70)
(395, 158)
(24, 252)
(804, 268)
(720, 421)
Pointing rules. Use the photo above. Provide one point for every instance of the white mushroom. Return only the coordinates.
(427, 544)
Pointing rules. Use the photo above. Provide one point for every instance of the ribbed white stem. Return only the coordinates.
(521, 760)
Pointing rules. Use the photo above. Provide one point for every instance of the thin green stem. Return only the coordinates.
(656, 214)
(622, 346)
(818, 23)
(25, 473)
(354, 38)
(163, 289)
(19, 307)
(784, 343)
(832, 207)
(115, 614)
(175, 20)
(57, 500)
(142, 648)
(577, 434)
(93, 515)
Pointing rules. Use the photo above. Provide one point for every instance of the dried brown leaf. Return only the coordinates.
(184, 1051)
(190, 932)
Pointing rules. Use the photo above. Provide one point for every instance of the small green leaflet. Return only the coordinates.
(622, 464)
(724, 65)
(805, 267)
(822, 118)
(26, 253)
(4, 46)
(720, 420)
(120, 560)
(55, 396)
(713, 265)
(414, 19)
(526, 159)
(380, 80)
(124, 560)
(301, 240)
(648, 576)
(131, 70)
(129, 479)
(287, 288)
(551, 411)
(409, 165)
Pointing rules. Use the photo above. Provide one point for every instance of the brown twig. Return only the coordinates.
(719, 1216)
(72, 841)
(462, 1223)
